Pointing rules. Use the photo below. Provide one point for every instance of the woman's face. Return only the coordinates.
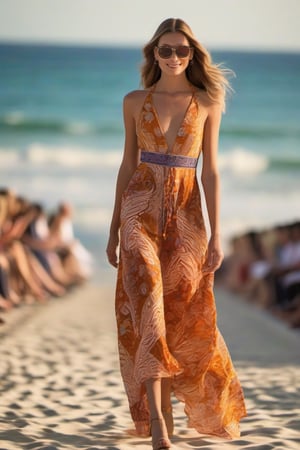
(178, 60)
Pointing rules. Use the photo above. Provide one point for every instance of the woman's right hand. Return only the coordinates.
(111, 249)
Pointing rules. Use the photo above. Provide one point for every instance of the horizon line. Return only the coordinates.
(137, 45)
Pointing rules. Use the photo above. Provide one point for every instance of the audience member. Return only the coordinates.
(76, 258)
(264, 267)
(31, 263)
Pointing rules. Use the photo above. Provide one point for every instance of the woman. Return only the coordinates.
(21, 273)
(77, 261)
(167, 334)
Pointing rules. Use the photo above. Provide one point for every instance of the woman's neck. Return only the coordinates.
(173, 84)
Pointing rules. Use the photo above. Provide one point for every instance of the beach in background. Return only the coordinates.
(61, 387)
(61, 134)
(61, 139)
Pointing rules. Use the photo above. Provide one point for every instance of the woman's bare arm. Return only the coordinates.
(17, 228)
(211, 185)
(129, 164)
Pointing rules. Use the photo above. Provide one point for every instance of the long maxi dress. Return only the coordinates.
(165, 308)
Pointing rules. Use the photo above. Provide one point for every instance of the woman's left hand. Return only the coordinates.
(214, 257)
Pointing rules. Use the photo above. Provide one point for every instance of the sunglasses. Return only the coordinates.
(182, 51)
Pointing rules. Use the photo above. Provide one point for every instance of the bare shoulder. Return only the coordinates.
(136, 95)
(211, 107)
(133, 101)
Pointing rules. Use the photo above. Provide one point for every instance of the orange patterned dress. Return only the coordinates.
(165, 308)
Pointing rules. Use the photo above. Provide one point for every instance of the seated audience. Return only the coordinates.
(264, 267)
(76, 258)
(31, 264)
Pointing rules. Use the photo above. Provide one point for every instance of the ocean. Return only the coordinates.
(61, 133)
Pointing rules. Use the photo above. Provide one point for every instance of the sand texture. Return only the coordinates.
(61, 388)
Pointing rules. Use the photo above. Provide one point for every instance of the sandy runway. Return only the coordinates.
(61, 388)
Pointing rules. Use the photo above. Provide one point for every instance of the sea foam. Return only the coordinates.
(243, 162)
(72, 157)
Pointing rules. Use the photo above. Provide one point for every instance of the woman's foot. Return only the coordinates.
(168, 417)
(5, 304)
(159, 434)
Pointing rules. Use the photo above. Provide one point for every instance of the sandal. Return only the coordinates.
(162, 443)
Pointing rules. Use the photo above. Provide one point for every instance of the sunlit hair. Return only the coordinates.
(202, 73)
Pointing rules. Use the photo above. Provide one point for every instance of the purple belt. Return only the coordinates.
(165, 159)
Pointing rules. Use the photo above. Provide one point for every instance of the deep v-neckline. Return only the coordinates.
(154, 109)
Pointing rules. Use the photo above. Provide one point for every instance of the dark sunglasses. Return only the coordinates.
(182, 51)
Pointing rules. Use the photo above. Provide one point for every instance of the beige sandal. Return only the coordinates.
(162, 443)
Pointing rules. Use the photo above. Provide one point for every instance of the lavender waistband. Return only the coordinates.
(169, 160)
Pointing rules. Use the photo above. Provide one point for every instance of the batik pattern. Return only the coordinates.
(165, 308)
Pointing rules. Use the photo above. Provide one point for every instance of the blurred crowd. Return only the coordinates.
(39, 255)
(264, 266)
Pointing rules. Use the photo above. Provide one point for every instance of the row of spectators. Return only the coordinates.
(39, 255)
(264, 266)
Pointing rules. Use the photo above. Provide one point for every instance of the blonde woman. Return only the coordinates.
(167, 333)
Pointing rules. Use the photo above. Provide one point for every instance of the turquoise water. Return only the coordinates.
(61, 132)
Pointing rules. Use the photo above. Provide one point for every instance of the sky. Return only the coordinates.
(232, 24)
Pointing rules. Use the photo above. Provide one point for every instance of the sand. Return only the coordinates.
(61, 387)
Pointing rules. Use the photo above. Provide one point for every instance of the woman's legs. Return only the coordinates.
(166, 406)
(6, 288)
(44, 278)
(157, 390)
(166, 384)
(153, 387)
(19, 256)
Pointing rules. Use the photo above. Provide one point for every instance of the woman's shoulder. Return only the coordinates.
(136, 95)
(134, 100)
(207, 102)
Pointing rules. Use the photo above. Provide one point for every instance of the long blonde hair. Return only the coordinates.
(201, 72)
